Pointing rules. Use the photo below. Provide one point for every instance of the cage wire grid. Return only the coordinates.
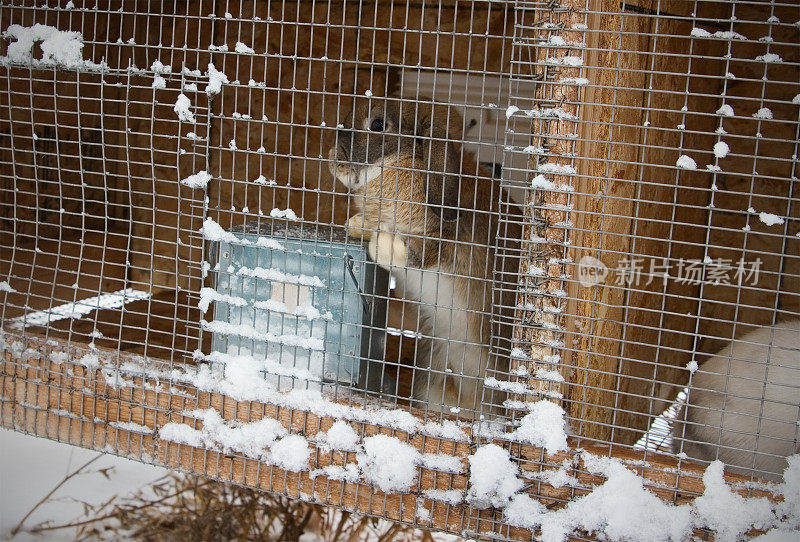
(638, 162)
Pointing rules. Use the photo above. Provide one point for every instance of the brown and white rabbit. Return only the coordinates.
(427, 210)
(744, 404)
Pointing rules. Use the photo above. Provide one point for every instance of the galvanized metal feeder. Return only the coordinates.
(306, 297)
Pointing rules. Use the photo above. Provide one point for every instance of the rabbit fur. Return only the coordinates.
(725, 410)
(426, 209)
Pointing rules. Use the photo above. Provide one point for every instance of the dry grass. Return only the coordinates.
(180, 508)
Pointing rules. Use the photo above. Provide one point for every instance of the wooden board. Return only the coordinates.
(67, 402)
(630, 344)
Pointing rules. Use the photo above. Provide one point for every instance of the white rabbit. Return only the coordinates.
(744, 404)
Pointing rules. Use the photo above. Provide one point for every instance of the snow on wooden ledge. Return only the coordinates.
(74, 394)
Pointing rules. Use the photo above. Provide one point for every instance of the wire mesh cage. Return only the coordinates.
(365, 253)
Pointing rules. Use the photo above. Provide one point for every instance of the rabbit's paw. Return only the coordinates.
(356, 227)
(388, 249)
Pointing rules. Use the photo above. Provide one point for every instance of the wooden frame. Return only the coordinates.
(71, 403)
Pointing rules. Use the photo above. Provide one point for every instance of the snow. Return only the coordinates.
(132, 427)
(445, 429)
(263, 180)
(307, 311)
(770, 219)
(621, 509)
(692, 366)
(198, 180)
(70, 5)
(159, 67)
(769, 58)
(341, 436)
(524, 512)
(726, 512)
(59, 48)
(207, 295)
(721, 149)
(796, 99)
(686, 162)
(492, 477)
(725, 111)
(549, 374)
(279, 276)
(443, 463)
(288, 214)
(511, 387)
(244, 49)
(557, 169)
(519, 353)
(541, 182)
(33, 466)
(578, 81)
(251, 332)
(789, 509)
(240, 368)
(449, 496)
(777, 535)
(729, 35)
(245, 383)
(571, 61)
(182, 105)
(511, 110)
(6, 287)
(388, 463)
(558, 477)
(90, 361)
(722, 34)
(349, 473)
(214, 232)
(763, 113)
(251, 439)
(550, 112)
(543, 426)
(216, 79)
(291, 453)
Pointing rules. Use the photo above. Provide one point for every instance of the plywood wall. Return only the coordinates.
(635, 204)
(304, 74)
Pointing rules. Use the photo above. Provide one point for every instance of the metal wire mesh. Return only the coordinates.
(578, 202)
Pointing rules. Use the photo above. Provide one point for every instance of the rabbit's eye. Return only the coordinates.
(377, 125)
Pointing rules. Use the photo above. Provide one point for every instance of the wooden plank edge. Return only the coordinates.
(69, 403)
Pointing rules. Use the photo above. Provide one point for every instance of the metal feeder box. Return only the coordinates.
(307, 299)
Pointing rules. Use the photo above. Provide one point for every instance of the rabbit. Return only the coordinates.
(725, 416)
(428, 211)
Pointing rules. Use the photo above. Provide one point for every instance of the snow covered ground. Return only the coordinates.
(30, 467)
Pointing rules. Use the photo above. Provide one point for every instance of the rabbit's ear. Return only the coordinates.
(443, 188)
(441, 159)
